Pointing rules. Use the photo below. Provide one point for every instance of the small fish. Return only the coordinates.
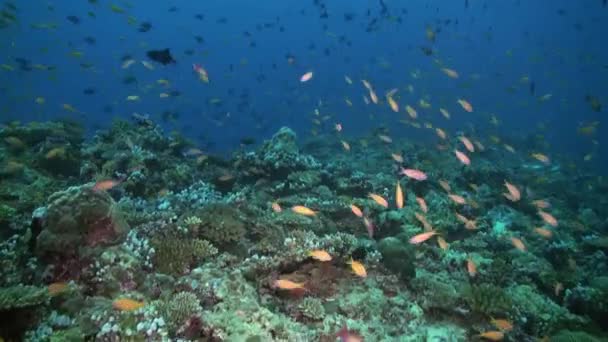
(320, 255)
(399, 196)
(467, 143)
(385, 138)
(468, 224)
(306, 77)
(442, 243)
(463, 158)
(445, 113)
(105, 185)
(133, 98)
(286, 284)
(445, 185)
(126, 304)
(356, 210)
(345, 145)
(379, 200)
(517, 243)
(126, 64)
(40, 100)
(502, 324)
(414, 174)
(441, 133)
(302, 210)
(338, 127)
(422, 237)
(471, 267)
(541, 158)
(451, 73)
(422, 204)
(548, 218)
(544, 232)
(457, 199)
(514, 194)
(203, 76)
(393, 104)
(358, 268)
(57, 288)
(465, 105)
(369, 225)
(397, 157)
(147, 65)
(492, 335)
(558, 288)
(348, 79)
(276, 207)
(411, 112)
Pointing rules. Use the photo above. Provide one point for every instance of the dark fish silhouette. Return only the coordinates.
(161, 56)
(144, 27)
(90, 40)
(73, 19)
(532, 88)
(89, 91)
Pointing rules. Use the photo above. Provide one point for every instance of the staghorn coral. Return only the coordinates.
(176, 256)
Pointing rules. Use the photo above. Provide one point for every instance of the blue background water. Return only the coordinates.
(564, 54)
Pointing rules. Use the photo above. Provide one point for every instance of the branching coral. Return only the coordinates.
(487, 299)
(221, 224)
(312, 308)
(179, 309)
(177, 256)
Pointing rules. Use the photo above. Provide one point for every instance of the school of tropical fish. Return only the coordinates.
(310, 171)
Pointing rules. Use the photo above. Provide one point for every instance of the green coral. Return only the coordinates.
(542, 315)
(179, 308)
(221, 224)
(6, 213)
(573, 336)
(175, 256)
(487, 299)
(436, 290)
(398, 257)
(22, 296)
(312, 308)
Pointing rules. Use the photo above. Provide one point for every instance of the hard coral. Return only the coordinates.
(176, 256)
(80, 218)
(179, 309)
(220, 224)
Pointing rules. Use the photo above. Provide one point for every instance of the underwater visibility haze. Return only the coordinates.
(314, 170)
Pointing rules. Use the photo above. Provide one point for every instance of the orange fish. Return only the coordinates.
(393, 104)
(467, 143)
(548, 218)
(541, 204)
(358, 268)
(457, 199)
(306, 77)
(471, 267)
(126, 304)
(462, 157)
(422, 204)
(379, 200)
(320, 255)
(442, 243)
(492, 335)
(420, 238)
(105, 185)
(465, 105)
(514, 194)
(57, 288)
(286, 284)
(517, 243)
(276, 207)
(373, 96)
(468, 224)
(302, 210)
(414, 174)
(399, 196)
(356, 210)
(502, 324)
(546, 233)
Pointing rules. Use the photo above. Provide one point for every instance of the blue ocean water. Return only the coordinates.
(244, 46)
